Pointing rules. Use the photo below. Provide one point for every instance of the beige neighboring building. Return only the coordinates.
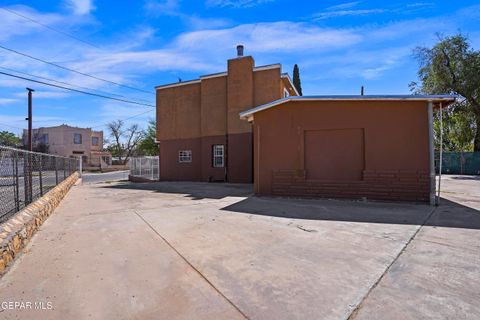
(73, 141)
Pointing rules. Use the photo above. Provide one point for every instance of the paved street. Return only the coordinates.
(103, 177)
(212, 251)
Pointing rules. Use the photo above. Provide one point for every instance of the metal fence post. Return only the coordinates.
(80, 164)
(25, 178)
(15, 181)
(40, 174)
(56, 170)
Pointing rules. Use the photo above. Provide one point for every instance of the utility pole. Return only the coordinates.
(30, 145)
(28, 164)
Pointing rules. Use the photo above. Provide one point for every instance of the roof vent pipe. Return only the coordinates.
(240, 50)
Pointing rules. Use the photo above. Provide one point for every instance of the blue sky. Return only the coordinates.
(339, 46)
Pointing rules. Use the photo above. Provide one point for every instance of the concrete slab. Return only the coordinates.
(438, 275)
(194, 250)
(99, 260)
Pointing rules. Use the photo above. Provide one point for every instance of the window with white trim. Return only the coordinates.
(285, 93)
(185, 156)
(218, 155)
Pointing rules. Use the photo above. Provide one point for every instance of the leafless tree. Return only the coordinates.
(125, 140)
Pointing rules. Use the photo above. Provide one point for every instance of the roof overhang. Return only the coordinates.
(443, 100)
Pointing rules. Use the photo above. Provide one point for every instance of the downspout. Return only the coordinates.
(441, 154)
(431, 147)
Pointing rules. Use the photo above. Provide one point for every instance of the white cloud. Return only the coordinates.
(236, 3)
(343, 13)
(268, 37)
(80, 7)
(344, 6)
(7, 101)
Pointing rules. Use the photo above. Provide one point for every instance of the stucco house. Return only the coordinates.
(201, 137)
(70, 141)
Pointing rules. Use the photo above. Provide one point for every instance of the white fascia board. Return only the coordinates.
(427, 98)
(287, 76)
(177, 84)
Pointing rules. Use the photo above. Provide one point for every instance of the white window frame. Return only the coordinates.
(184, 156)
(218, 152)
(285, 93)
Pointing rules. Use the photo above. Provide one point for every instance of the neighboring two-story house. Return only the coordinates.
(200, 134)
(70, 141)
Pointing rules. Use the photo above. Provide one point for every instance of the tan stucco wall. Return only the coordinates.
(267, 86)
(195, 115)
(214, 106)
(178, 112)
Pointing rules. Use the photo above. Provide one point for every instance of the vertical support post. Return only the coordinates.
(56, 170)
(80, 164)
(441, 154)
(431, 147)
(15, 182)
(26, 189)
(40, 174)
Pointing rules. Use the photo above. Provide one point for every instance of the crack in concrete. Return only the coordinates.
(191, 265)
(355, 311)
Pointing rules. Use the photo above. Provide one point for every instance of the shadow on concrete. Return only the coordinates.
(465, 178)
(449, 214)
(192, 190)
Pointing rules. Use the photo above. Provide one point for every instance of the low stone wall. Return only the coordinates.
(19, 229)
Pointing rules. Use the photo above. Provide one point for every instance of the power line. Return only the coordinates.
(134, 116)
(48, 27)
(7, 125)
(73, 70)
(69, 84)
(75, 90)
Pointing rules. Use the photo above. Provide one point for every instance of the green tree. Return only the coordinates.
(296, 79)
(452, 66)
(147, 145)
(9, 139)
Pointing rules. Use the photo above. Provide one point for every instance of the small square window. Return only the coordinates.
(44, 138)
(185, 156)
(94, 141)
(218, 156)
(77, 138)
(285, 93)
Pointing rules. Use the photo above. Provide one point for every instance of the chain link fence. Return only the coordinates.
(459, 163)
(26, 176)
(145, 167)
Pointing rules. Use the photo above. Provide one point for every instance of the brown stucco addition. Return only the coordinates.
(343, 148)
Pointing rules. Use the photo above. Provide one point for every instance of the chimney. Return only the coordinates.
(240, 50)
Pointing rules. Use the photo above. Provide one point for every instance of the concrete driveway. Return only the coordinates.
(211, 251)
